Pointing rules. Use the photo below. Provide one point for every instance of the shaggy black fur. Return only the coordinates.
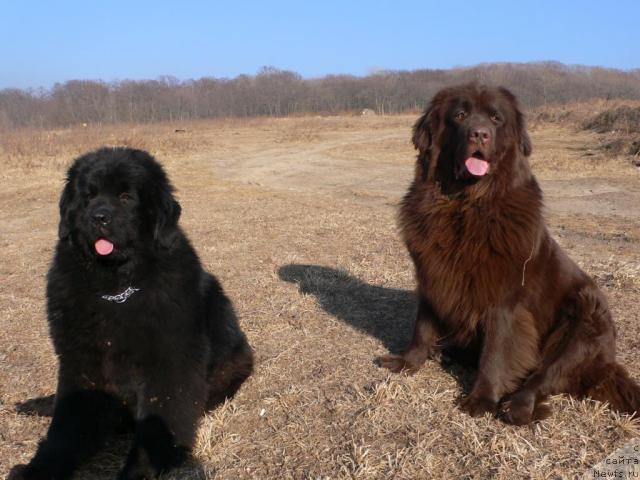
(157, 361)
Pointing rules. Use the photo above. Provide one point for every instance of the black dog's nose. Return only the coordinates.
(481, 135)
(101, 216)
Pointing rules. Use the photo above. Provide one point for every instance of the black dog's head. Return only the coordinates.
(471, 131)
(117, 201)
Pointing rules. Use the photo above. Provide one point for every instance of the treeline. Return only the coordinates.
(274, 92)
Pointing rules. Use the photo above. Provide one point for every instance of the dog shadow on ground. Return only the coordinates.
(387, 314)
(106, 464)
(384, 313)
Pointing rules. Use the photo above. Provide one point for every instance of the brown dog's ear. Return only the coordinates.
(428, 124)
(422, 138)
(167, 214)
(524, 142)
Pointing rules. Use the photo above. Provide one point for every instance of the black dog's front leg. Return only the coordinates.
(155, 449)
(82, 420)
(169, 410)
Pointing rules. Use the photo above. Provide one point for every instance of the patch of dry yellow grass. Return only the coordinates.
(297, 219)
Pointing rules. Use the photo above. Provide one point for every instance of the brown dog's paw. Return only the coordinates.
(542, 411)
(524, 409)
(478, 406)
(397, 364)
(520, 414)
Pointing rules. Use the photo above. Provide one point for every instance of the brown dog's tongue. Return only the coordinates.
(476, 166)
(103, 246)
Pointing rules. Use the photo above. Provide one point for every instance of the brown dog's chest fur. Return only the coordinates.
(470, 251)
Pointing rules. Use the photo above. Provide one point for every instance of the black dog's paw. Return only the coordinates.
(17, 473)
(139, 467)
(138, 472)
(42, 406)
(27, 472)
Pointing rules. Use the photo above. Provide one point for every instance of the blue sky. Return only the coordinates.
(43, 42)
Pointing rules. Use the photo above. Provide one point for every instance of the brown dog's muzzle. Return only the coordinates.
(479, 150)
(481, 136)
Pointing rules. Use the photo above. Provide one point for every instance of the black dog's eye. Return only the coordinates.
(125, 197)
(461, 115)
(495, 117)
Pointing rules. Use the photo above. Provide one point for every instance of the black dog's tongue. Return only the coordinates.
(103, 246)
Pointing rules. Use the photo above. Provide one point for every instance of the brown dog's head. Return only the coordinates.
(470, 132)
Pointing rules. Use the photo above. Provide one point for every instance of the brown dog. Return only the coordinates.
(491, 281)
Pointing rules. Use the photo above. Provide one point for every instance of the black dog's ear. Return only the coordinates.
(64, 228)
(167, 215)
(422, 138)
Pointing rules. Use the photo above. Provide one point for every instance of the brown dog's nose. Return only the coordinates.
(480, 135)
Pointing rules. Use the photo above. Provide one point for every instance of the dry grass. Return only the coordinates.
(297, 218)
(618, 122)
(623, 118)
(578, 113)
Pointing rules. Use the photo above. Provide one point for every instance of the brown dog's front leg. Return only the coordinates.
(509, 352)
(423, 344)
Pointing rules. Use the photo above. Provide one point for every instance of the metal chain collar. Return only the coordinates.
(121, 297)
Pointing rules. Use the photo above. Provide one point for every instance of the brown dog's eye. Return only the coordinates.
(461, 115)
(125, 197)
(495, 117)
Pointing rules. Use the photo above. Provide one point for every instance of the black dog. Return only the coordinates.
(145, 337)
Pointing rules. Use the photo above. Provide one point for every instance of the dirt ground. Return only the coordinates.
(297, 217)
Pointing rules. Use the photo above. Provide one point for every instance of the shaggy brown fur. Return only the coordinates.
(492, 282)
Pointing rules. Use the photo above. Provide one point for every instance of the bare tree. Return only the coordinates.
(276, 92)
